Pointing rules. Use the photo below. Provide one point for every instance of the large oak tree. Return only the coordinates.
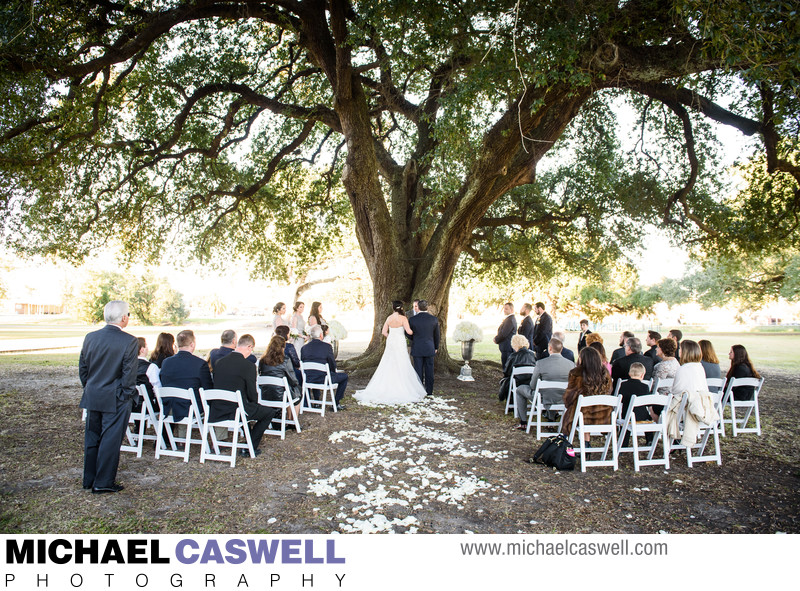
(215, 123)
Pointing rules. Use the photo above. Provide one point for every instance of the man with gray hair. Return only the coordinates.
(107, 370)
(565, 353)
(318, 351)
(620, 369)
(553, 368)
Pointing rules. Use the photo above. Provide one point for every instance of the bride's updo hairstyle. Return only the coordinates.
(397, 306)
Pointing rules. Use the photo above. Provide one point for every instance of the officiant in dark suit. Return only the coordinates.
(506, 330)
(107, 369)
(424, 343)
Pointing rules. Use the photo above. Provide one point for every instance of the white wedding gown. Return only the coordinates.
(394, 381)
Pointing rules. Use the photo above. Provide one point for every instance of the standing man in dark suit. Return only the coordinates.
(234, 372)
(582, 337)
(543, 331)
(318, 351)
(184, 370)
(424, 343)
(526, 327)
(107, 370)
(506, 330)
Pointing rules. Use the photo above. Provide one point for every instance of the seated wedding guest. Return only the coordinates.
(620, 353)
(234, 372)
(184, 370)
(165, 347)
(315, 317)
(227, 345)
(297, 323)
(553, 368)
(290, 352)
(741, 367)
(584, 333)
(147, 375)
(652, 341)
(634, 386)
(709, 361)
(676, 335)
(667, 365)
(633, 354)
(588, 378)
(522, 356)
(565, 353)
(598, 346)
(317, 351)
(690, 382)
(274, 363)
(279, 310)
(593, 338)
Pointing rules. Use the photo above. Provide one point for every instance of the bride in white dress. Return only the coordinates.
(394, 381)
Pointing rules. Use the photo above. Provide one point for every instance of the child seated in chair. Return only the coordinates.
(635, 387)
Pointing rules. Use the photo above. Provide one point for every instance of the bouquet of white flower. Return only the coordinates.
(467, 331)
(295, 334)
(337, 330)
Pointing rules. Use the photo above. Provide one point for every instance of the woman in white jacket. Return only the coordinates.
(690, 382)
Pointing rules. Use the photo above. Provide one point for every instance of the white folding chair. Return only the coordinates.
(706, 431)
(648, 383)
(609, 430)
(537, 407)
(717, 386)
(166, 422)
(522, 370)
(751, 406)
(659, 383)
(326, 387)
(146, 417)
(236, 425)
(636, 429)
(286, 405)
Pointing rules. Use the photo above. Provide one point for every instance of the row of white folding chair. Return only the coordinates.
(750, 406)
(286, 405)
(706, 432)
(145, 417)
(609, 430)
(538, 407)
(650, 384)
(629, 425)
(237, 425)
(193, 420)
(522, 370)
(327, 388)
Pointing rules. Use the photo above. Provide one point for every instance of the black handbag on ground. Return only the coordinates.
(556, 452)
(502, 394)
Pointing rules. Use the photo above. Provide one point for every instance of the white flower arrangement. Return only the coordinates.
(467, 331)
(337, 330)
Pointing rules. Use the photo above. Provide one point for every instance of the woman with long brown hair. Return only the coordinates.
(741, 367)
(274, 363)
(165, 347)
(589, 378)
(709, 360)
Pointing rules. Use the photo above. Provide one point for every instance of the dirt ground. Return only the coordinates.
(449, 465)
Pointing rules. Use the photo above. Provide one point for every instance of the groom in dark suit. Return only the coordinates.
(424, 344)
